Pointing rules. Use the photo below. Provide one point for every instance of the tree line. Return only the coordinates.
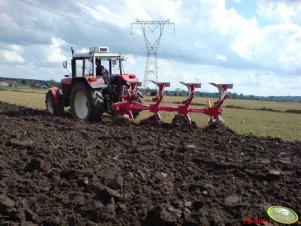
(31, 82)
(241, 96)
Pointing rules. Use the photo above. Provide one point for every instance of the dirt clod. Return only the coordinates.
(6, 201)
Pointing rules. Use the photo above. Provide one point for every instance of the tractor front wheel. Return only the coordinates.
(51, 106)
(86, 103)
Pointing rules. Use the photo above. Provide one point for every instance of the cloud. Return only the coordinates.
(8, 56)
(212, 41)
(220, 57)
(103, 14)
(245, 42)
(54, 51)
(281, 11)
(187, 74)
(279, 48)
(218, 32)
(130, 59)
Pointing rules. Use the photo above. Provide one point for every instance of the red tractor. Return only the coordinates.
(90, 95)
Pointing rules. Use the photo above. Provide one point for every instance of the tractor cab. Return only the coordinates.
(84, 64)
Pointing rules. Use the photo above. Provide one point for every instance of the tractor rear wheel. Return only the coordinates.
(86, 103)
(51, 107)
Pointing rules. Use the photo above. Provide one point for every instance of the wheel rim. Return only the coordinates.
(81, 105)
(50, 104)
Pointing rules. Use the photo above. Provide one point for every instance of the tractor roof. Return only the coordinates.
(97, 54)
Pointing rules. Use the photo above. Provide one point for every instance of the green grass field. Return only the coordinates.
(23, 89)
(244, 121)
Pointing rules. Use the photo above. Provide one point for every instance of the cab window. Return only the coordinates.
(84, 67)
(115, 66)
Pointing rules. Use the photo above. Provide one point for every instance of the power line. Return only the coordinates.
(71, 18)
(99, 10)
(131, 10)
(79, 21)
(122, 3)
(135, 13)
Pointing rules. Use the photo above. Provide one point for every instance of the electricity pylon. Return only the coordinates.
(151, 67)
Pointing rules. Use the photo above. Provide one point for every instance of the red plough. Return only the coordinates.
(128, 105)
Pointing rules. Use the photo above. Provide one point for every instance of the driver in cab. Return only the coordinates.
(100, 70)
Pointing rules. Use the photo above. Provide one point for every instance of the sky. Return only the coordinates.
(254, 44)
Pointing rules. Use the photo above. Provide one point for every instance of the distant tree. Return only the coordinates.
(50, 83)
(183, 93)
(31, 82)
(177, 92)
(167, 93)
(153, 92)
(22, 82)
(234, 96)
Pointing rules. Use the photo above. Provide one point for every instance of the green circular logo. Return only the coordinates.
(282, 214)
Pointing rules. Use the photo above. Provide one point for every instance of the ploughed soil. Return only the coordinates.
(60, 171)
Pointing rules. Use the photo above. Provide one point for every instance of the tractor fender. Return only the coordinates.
(93, 82)
(54, 93)
(98, 86)
(128, 77)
